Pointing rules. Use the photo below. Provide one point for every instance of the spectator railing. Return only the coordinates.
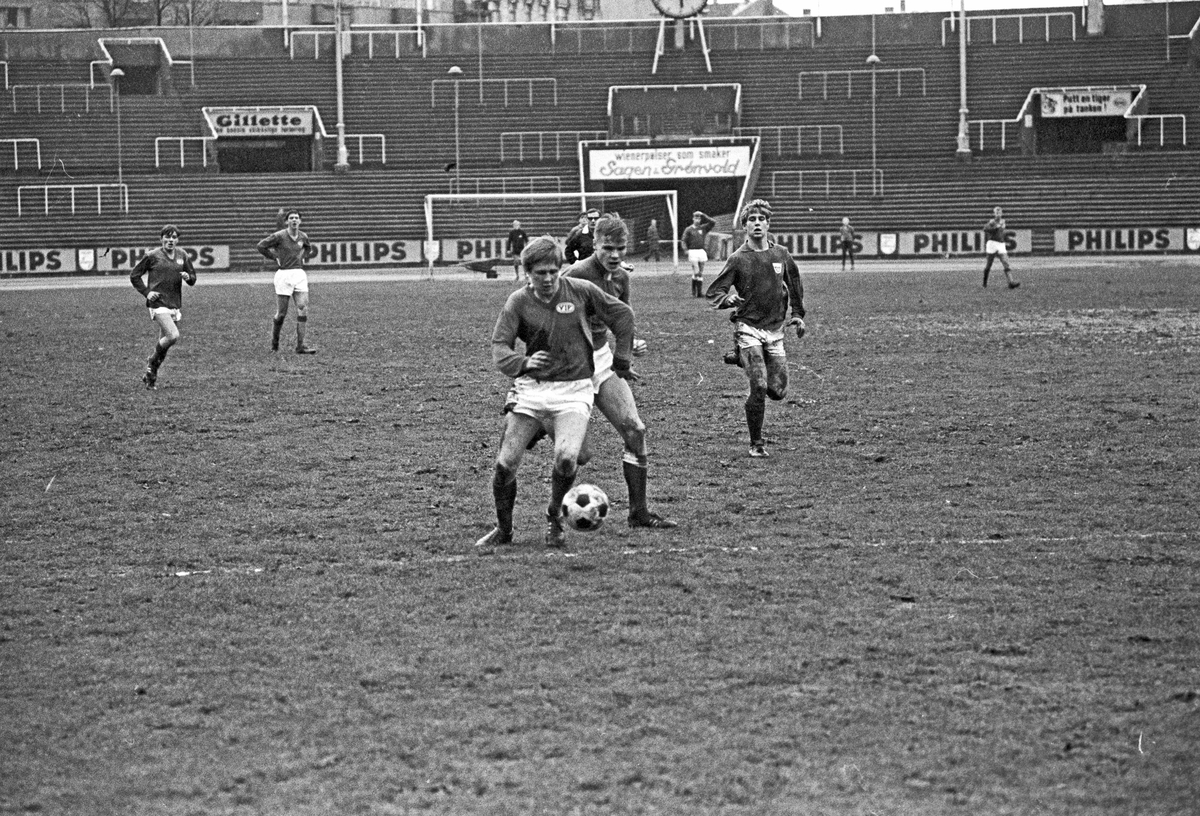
(825, 181)
(1161, 118)
(951, 24)
(779, 131)
(508, 185)
(183, 141)
(505, 82)
(122, 192)
(539, 138)
(37, 146)
(62, 95)
(850, 73)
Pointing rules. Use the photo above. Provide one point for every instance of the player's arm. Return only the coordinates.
(718, 292)
(267, 246)
(511, 362)
(618, 316)
(795, 287)
(706, 223)
(139, 272)
(310, 251)
(189, 270)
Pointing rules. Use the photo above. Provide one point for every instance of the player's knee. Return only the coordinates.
(504, 473)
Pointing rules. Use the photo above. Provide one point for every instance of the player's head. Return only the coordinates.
(845, 222)
(516, 224)
(758, 205)
(169, 235)
(997, 212)
(541, 250)
(611, 241)
(542, 259)
(292, 217)
(697, 216)
(591, 216)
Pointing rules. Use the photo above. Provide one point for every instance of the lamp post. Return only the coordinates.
(964, 139)
(343, 157)
(456, 72)
(873, 61)
(116, 74)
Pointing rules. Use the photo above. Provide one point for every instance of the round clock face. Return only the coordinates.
(680, 9)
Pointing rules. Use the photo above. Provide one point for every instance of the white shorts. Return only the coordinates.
(288, 281)
(749, 337)
(697, 256)
(997, 248)
(545, 400)
(174, 314)
(602, 358)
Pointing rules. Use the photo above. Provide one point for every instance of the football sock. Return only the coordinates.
(504, 491)
(635, 481)
(301, 329)
(756, 411)
(277, 324)
(560, 483)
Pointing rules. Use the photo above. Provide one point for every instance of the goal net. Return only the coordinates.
(466, 228)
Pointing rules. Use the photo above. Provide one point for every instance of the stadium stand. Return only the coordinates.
(560, 91)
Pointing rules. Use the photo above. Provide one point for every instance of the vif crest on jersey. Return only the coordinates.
(565, 308)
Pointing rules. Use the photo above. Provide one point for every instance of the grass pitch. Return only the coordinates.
(966, 581)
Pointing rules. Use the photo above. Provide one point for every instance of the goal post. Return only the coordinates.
(458, 223)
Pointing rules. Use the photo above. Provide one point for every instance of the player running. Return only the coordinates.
(607, 269)
(766, 281)
(165, 270)
(553, 377)
(290, 248)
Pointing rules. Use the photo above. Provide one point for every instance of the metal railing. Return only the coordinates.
(951, 24)
(37, 145)
(62, 95)
(183, 140)
(799, 130)
(853, 72)
(1192, 35)
(1161, 118)
(508, 185)
(826, 180)
(361, 138)
(107, 61)
(4, 64)
(539, 138)
(122, 191)
(480, 81)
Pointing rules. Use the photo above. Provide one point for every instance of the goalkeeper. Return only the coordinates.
(760, 280)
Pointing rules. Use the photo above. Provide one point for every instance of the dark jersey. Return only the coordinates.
(561, 327)
(768, 280)
(517, 239)
(995, 230)
(615, 284)
(579, 245)
(291, 253)
(695, 237)
(164, 275)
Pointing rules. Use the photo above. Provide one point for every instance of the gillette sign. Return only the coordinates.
(254, 122)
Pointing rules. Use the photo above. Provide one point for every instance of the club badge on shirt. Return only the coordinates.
(778, 268)
(565, 308)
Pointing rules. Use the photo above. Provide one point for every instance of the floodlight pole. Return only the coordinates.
(873, 61)
(343, 156)
(456, 72)
(116, 74)
(964, 138)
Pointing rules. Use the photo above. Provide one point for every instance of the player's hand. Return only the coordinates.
(537, 361)
(730, 301)
(639, 347)
(799, 324)
(627, 374)
(151, 297)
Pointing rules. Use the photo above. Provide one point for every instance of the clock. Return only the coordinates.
(680, 9)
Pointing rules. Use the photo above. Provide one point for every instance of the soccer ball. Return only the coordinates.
(585, 507)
